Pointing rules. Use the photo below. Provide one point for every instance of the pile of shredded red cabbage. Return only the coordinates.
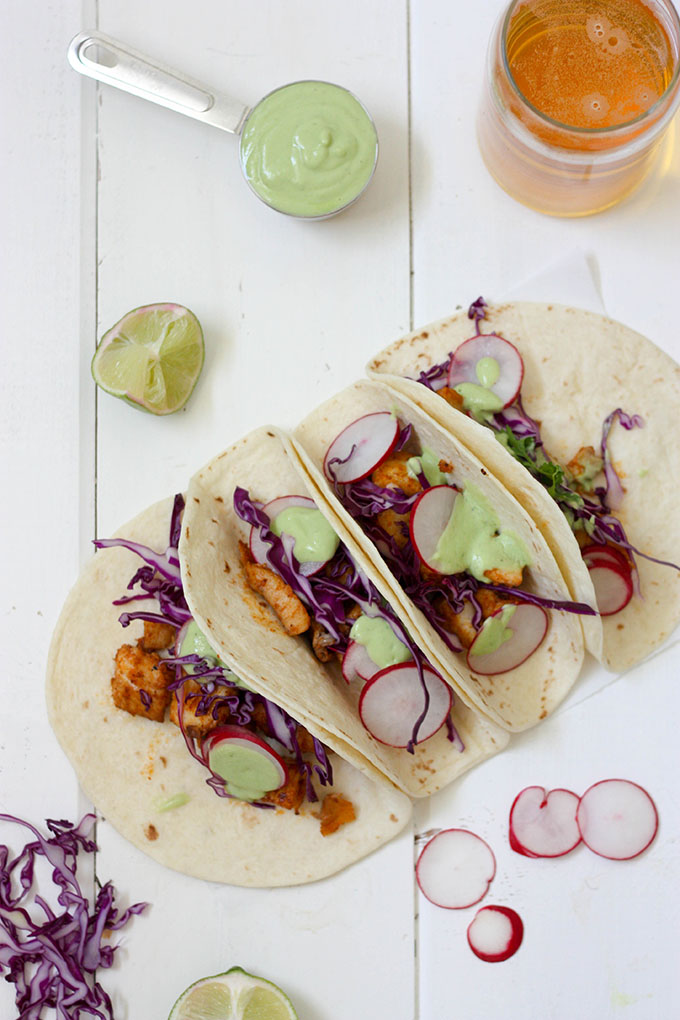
(51, 953)
(332, 593)
(521, 436)
(160, 580)
(364, 501)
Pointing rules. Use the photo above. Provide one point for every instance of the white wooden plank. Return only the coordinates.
(290, 312)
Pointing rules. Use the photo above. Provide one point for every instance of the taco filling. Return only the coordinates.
(294, 559)
(482, 378)
(443, 541)
(251, 749)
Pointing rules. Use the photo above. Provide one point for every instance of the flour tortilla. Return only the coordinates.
(514, 700)
(247, 634)
(128, 765)
(579, 367)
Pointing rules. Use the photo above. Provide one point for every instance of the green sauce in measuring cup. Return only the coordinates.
(309, 149)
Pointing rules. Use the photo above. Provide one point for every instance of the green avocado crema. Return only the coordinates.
(478, 400)
(315, 539)
(309, 148)
(247, 773)
(195, 642)
(428, 464)
(488, 372)
(495, 631)
(473, 540)
(379, 640)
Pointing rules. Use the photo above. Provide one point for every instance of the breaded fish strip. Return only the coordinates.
(321, 641)
(291, 794)
(336, 811)
(512, 578)
(140, 681)
(280, 596)
(451, 397)
(393, 472)
(157, 636)
(459, 624)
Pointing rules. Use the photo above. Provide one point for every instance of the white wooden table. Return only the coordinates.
(108, 203)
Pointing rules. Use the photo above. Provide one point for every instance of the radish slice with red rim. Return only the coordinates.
(430, 514)
(360, 447)
(239, 737)
(606, 552)
(357, 664)
(617, 819)
(495, 933)
(393, 701)
(464, 367)
(613, 585)
(528, 624)
(455, 869)
(544, 824)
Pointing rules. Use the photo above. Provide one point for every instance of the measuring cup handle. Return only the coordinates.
(114, 63)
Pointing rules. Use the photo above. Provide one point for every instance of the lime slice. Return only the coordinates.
(152, 358)
(235, 995)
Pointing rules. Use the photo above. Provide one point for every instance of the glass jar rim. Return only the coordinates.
(612, 129)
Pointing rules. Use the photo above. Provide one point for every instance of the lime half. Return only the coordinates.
(152, 358)
(235, 995)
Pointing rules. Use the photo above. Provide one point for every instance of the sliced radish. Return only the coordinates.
(259, 548)
(463, 367)
(606, 552)
(617, 819)
(393, 700)
(529, 625)
(361, 447)
(455, 869)
(544, 824)
(238, 736)
(357, 664)
(613, 585)
(430, 514)
(495, 933)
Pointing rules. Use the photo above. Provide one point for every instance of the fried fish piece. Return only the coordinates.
(140, 682)
(280, 596)
(321, 642)
(157, 636)
(459, 624)
(452, 397)
(394, 473)
(395, 525)
(291, 794)
(511, 578)
(196, 725)
(336, 811)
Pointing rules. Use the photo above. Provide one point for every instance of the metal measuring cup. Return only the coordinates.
(107, 60)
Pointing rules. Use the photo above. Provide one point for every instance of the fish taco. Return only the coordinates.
(462, 560)
(271, 581)
(179, 751)
(576, 415)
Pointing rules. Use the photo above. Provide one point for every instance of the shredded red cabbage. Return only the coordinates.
(331, 595)
(217, 683)
(51, 954)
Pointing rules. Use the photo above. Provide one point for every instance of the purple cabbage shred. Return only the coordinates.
(51, 953)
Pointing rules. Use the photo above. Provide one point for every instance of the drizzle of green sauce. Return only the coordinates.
(162, 804)
(473, 540)
(195, 642)
(488, 372)
(315, 540)
(428, 464)
(380, 641)
(495, 631)
(247, 773)
(478, 400)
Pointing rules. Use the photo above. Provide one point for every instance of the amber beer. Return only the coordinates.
(577, 99)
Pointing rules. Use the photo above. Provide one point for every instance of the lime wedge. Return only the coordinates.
(152, 358)
(235, 995)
